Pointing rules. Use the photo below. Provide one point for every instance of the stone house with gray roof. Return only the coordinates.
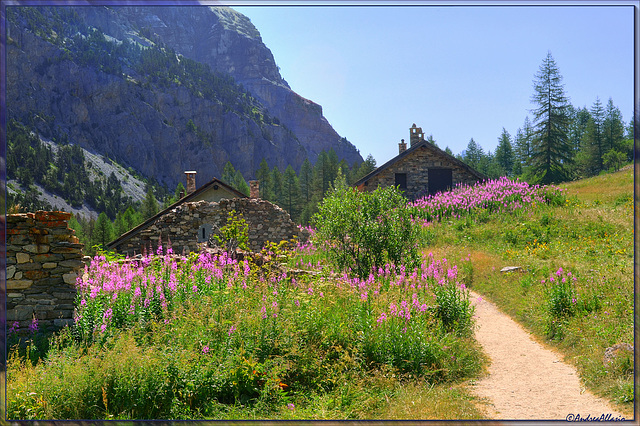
(420, 170)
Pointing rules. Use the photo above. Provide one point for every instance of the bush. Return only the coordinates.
(365, 230)
(234, 234)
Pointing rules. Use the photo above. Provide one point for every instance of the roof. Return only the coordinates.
(422, 144)
(211, 184)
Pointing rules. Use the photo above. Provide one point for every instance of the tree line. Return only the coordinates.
(297, 193)
(560, 142)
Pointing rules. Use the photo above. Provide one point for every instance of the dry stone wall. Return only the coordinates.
(182, 225)
(43, 260)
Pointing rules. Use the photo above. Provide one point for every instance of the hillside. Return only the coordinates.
(589, 241)
(160, 90)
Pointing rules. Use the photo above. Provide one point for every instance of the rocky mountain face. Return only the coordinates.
(128, 83)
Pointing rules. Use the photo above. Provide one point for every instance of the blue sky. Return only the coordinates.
(456, 71)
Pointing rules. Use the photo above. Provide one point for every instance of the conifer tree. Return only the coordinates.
(240, 183)
(103, 231)
(263, 175)
(613, 129)
(473, 154)
(306, 173)
(366, 167)
(320, 179)
(228, 174)
(291, 193)
(504, 154)
(551, 151)
(149, 204)
(276, 185)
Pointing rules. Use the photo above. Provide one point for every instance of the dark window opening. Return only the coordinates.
(401, 180)
(440, 180)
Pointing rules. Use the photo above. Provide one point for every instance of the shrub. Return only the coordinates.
(365, 230)
(234, 234)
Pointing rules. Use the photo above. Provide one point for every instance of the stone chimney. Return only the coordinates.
(402, 146)
(415, 134)
(191, 181)
(254, 189)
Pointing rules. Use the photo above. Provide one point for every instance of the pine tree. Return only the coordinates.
(551, 150)
(120, 225)
(320, 178)
(579, 119)
(589, 160)
(276, 186)
(240, 184)
(504, 154)
(613, 129)
(291, 193)
(263, 175)
(149, 204)
(331, 167)
(366, 167)
(228, 174)
(306, 173)
(473, 154)
(103, 231)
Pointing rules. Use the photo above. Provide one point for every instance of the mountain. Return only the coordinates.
(160, 90)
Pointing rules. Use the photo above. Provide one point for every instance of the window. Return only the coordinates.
(401, 180)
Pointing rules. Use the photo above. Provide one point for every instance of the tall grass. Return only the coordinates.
(170, 336)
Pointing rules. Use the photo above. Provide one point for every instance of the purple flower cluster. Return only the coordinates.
(498, 195)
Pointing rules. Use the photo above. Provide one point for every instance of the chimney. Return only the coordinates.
(191, 181)
(415, 134)
(254, 189)
(402, 146)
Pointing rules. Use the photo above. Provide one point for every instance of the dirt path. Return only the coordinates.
(526, 380)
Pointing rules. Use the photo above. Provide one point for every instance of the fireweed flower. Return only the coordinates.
(205, 350)
(232, 329)
(33, 327)
(382, 318)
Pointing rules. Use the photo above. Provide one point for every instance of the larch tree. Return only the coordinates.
(551, 151)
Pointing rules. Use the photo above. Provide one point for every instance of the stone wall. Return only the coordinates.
(43, 260)
(184, 225)
(416, 166)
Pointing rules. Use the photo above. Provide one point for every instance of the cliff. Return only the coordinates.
(161, 90)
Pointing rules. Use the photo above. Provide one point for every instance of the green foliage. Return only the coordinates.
(550, 144)
(453, 308)
(365, 230)
(150, 204)
(235, 232)
(216, 338)
(103, 231)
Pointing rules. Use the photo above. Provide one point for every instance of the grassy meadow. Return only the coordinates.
(588, 242)
(292, 335)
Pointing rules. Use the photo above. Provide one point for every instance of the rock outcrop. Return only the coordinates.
(146, 126)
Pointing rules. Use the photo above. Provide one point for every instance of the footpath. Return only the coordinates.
(527, 381)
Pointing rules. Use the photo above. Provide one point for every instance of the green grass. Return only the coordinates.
(591, 236)
(258, 344)
(250, 343)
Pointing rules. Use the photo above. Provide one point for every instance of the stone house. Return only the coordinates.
(189, 222)
(420, 170)
(213, 191)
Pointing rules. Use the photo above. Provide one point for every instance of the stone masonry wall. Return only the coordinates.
(266, 222)
(43, 260)
(417, 166)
